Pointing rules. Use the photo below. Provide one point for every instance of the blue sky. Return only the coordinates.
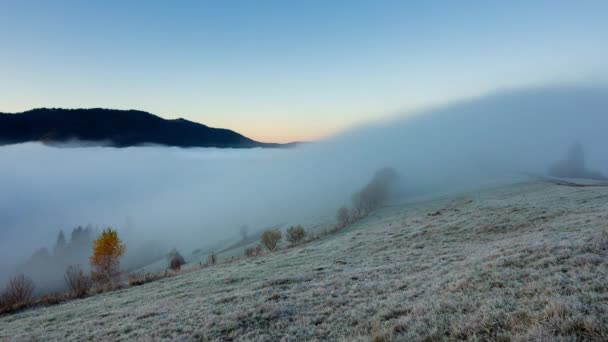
(287, 70)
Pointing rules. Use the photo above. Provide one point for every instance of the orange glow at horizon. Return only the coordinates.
(283, 134)
(281, 130)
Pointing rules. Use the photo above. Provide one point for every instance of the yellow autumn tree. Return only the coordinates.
(105, 261)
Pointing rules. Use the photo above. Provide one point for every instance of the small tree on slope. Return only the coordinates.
(105, 261)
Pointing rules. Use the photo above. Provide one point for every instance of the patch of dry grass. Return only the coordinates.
(137, 279)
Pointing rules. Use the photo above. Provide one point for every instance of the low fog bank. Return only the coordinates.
(160, 197)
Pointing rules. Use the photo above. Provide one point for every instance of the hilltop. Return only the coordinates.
(520, 262)
(118, 128)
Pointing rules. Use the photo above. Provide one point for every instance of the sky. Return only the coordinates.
(280, 71)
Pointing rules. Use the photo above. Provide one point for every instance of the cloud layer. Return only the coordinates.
(196, 197)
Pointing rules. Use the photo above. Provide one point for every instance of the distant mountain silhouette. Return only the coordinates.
(118, 128)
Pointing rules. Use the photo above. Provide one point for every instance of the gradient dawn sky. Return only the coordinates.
(289, 70)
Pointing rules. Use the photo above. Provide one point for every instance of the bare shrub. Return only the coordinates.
(270, 238)
(78, 283)
(343, 217)
(106, 287)
(368, 199)
(212, 259)
(175, 260)
(250, 252)
(375, 193)
(3, 302)
(175, 264)
(51, 299)
(296, 234)
(19, 290)
(137, 279)
(254, 251)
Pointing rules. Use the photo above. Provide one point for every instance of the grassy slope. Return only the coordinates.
(524, 262)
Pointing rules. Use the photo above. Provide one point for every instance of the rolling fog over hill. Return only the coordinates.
(196, 197)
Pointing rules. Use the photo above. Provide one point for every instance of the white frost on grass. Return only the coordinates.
(520, 262)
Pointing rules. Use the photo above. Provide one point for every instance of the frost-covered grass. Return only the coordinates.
(522, 262)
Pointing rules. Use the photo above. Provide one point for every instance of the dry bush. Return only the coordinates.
(250, 252)
(212, 259)
(19, 290)
(137, 279)
(254, 251)
(175, 264)
(175, 260)
(105, 261)
(78, 283)
(368, 199)
(106, 287)
(270, 239)
(4, 306)
(375, 193)
(51, 299)
(296, 234)
(343, 217)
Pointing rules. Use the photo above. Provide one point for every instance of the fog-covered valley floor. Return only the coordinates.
(163, 197)
(525, 261)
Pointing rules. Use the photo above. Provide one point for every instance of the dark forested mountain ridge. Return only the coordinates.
(118, 128)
